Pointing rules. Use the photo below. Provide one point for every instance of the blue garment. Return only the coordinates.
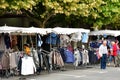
(84, 37)
(7, 41)
(39, 41)
(103, 61)
(69, 56)
(53, 39)
(104, 35)
(62, 54)
(95, 44)
(92, 57)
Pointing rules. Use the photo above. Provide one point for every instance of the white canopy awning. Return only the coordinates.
(42, 31)
(59, 30)
(9, 29)
(105, 32)
(17, 30)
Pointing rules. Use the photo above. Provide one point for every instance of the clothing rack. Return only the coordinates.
(45, 51)
(46, 61)
(5, 70)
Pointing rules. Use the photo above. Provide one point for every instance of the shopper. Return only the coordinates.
(114, 52)
(103, 54)
(27, 49)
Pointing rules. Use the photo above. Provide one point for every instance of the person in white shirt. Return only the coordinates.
(103, 54)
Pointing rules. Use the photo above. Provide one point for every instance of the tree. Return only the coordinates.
(11, 6)
(51, 8)
(96, 13)
(105, 14)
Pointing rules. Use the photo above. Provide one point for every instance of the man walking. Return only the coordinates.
(103, 54)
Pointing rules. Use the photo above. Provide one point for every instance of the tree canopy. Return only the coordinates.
(17, 4)
(96, 13)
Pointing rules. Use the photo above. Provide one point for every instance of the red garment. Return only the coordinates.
(114, 48)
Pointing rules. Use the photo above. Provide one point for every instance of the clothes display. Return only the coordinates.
(95, 44)
(77, 57)
(92, 57)
(1, 55)
(31, 59)
(13, 63)
(28, 66)
(85, 57)
(39, 41)
(64, 40)
(35, 57)
(7, 41)
(85, 37)
(13, 41)
(69, 56)
(2, 43)
(76, 37)
(56, 59)
(62, 53)
(40, 58)
(53, 39)
(5, 61)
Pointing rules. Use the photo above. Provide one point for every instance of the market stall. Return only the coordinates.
(105, 32)
(53, 36)
(109, 35)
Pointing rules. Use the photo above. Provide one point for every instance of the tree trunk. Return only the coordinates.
(45, 21)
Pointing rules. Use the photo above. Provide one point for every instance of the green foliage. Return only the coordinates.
(97, 13)
(17, 4)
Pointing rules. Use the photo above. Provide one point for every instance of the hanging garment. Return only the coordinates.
(1, 54)
(13, 40)
(95, 44)
(13, 62)
(2, 43)
(39, 41)
(62, 54)
(77, 57)
(56, 59)
(92, 57)
(24, 39)
(7, 41)
(35, 57)
(85, 56)
(40, 60)
(28, 66)
(84, 37)
(76, 37)
(5, 61)
(69, 56)
(53, 39)
(64, 40)
(19, 66)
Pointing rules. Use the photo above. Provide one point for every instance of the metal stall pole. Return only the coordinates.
(36, 42)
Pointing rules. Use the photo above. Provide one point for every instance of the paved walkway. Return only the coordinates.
(90, 73)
